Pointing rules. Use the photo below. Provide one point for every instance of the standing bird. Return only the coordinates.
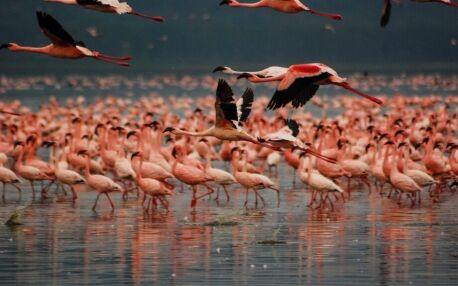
(8, 177)
(63, 45)
(285, 6)
(107, 6)
(100, 183)
(300, 83)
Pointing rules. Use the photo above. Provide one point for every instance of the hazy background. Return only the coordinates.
(199, 35)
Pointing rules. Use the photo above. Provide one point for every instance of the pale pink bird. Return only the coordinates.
(285, 6)
(63, 45)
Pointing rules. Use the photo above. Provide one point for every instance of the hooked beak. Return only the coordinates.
(224, 2)
(5, 46)
(168, 129)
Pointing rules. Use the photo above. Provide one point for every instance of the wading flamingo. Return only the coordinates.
(63, 45)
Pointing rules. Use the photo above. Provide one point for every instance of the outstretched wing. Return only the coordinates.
(102, 5)
(54, 31)
(298, 92)
(386, 11)
(244, 105)
(225, 106)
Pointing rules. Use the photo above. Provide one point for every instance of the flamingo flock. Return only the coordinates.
(149, 151)
(146, 150)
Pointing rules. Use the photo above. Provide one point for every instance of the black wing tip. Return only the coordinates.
(293, 125)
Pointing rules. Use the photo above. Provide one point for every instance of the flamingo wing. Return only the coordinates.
(54, 31)
(297, 93)
(293, 126)
(244, 105)
(225, 105)
(386, 11)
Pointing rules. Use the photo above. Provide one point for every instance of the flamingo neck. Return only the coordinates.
(37, 50)
(258, 4)
(205, 133)
(68, 2)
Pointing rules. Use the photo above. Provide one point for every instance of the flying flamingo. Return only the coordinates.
(107, 6)
(63, 45)
(268, 72)
(286, 138)
(230, 115)
(445, 2)
(300, 83)
(102, 184)
(285, 6)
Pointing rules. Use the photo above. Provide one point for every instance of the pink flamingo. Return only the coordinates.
(108, 6)
(63, 45)
(285, 6)
(100, 183)
(300, 83)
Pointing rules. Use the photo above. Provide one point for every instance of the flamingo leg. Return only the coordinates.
(33, 189)
(154, 18)
(74, 195)
(111, 202)
(95, 203)
(278, 196)
(124, 64)
(312, 199)
(262, 199)
(326, 15)
(246, 197)
(194, 199)
(227, 194)
(3, 192)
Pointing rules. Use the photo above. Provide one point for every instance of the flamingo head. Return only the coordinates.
(226, 2)
(402, 144)
(221, 69)
(48, 144)
(82, 153)
(17, 143)
(136, 154)
(6, 46)
(131, 133)
(168, 129)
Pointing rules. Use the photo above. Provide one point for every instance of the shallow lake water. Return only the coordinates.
(368, 240)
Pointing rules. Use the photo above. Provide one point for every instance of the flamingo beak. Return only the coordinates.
(224, 2)
(168, 129)
(5, 46)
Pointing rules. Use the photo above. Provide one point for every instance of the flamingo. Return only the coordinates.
(153, 188)
(8, 177)
(317, 182)
(189, 175)
(100, 183)
(230, 115)
(63, 45)
(252, 181)
(445, 2)
(107, 6)
(300, 83)
(286, 138)
(268, 72)
(285, 6)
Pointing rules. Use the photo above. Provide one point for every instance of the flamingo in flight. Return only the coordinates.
(300, 82)
(285, 6)
(268, 72)
(63, 45)
(286, 138)
(107, 6)
(445, 2)
(230, 116)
